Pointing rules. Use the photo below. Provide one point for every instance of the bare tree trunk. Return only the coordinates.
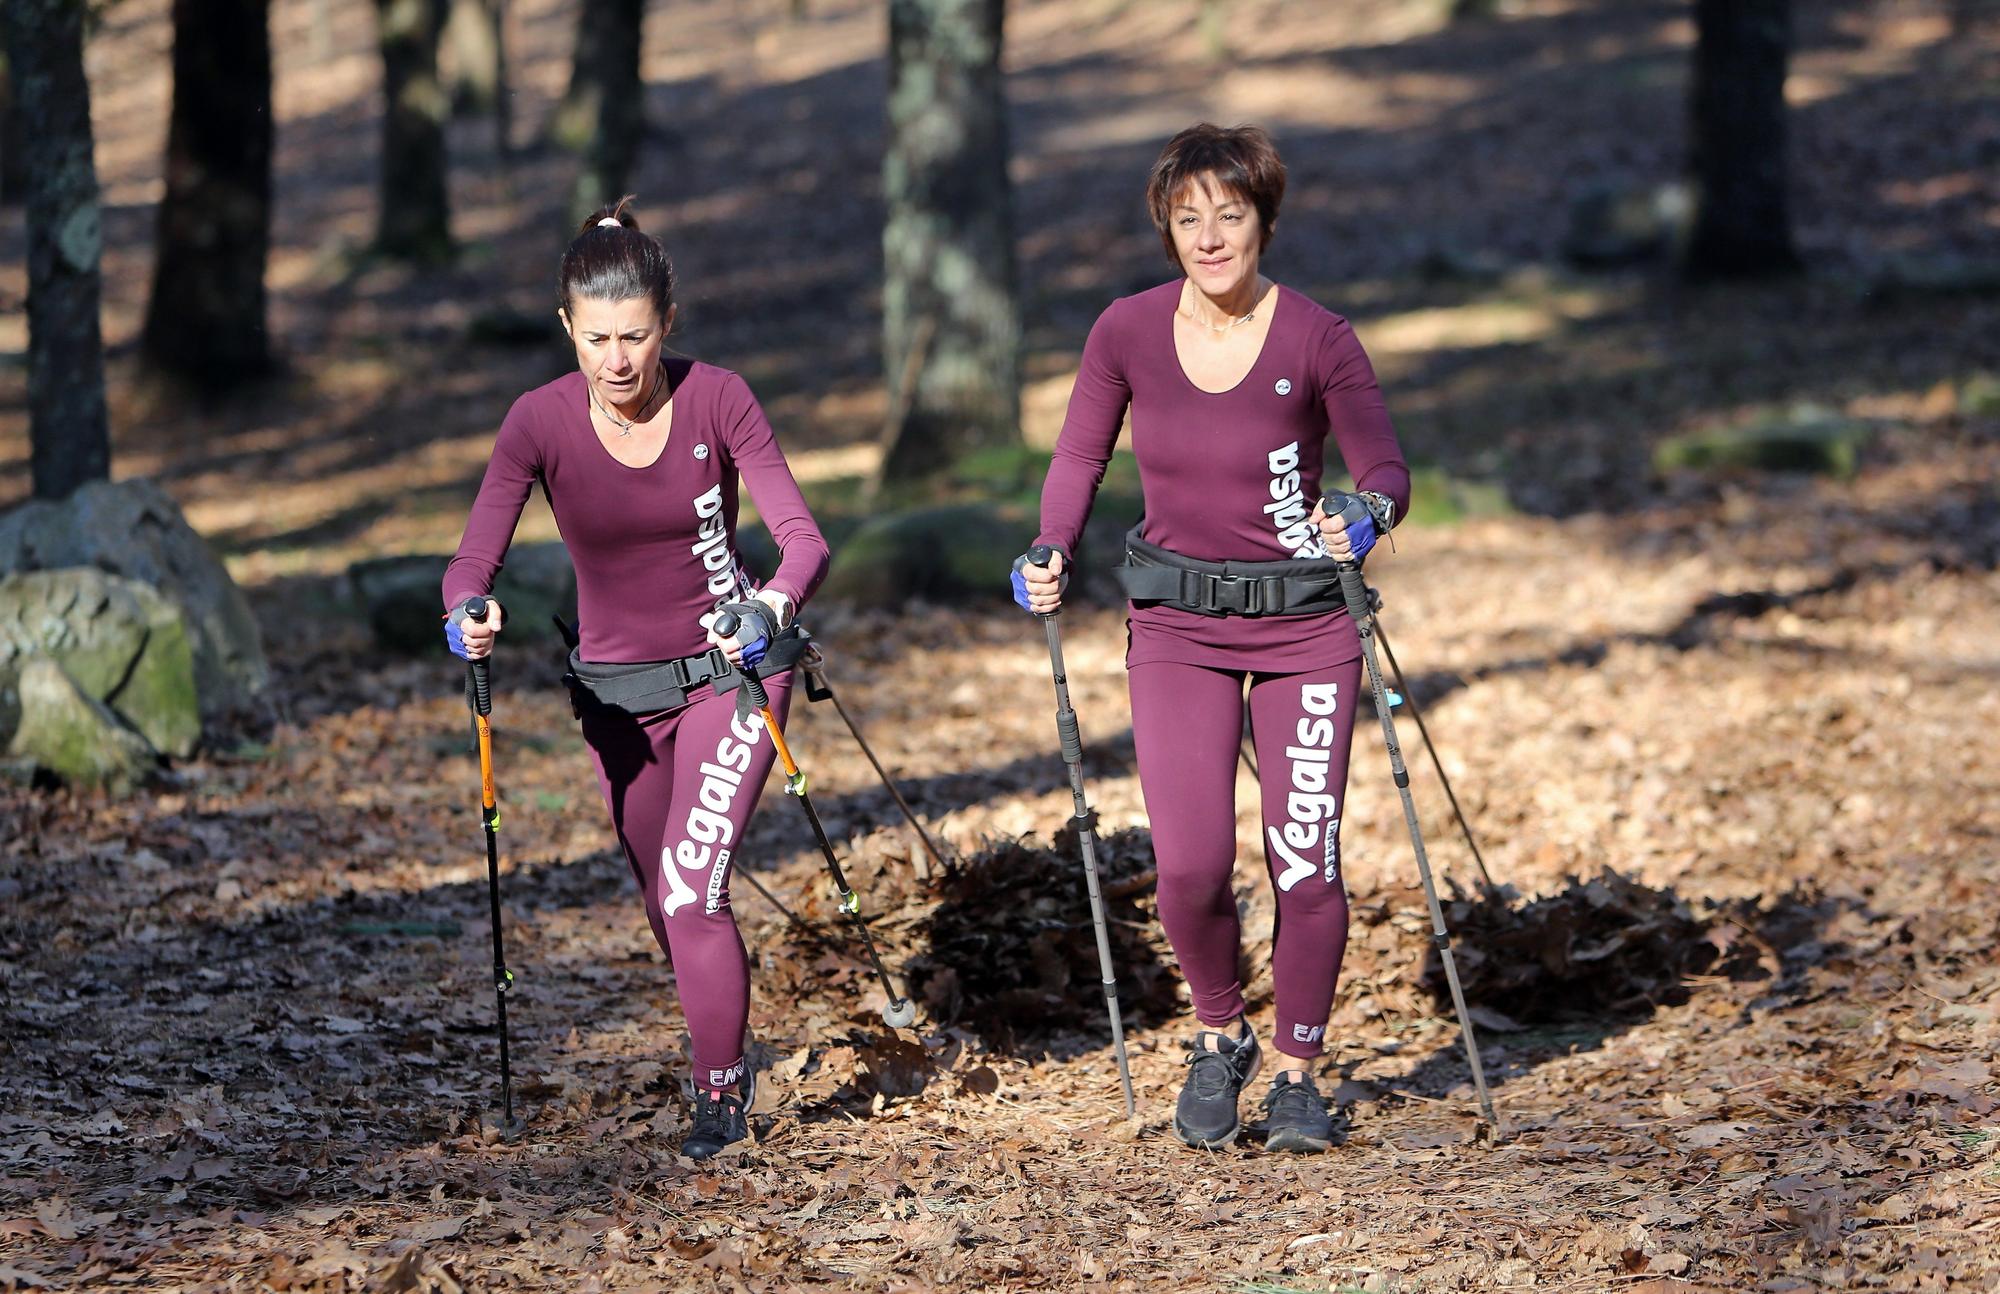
(415, 221)
(475, 36)
(13, 175)
(68, 430)
(205, 321)
(951, 324)
(603, 115)
(1742, 224)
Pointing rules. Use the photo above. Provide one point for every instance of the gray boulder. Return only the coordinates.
(1613, 225)
(64, 730)
(132, 529)
(947, 554)
(401, 596)
(117, 640)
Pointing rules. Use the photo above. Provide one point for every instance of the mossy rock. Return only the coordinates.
(1804, 439)
(64, 730)
(956, 553)
(1979, 396)
(400, 596)
(133, 530)
(119, 641)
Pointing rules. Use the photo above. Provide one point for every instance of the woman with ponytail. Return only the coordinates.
(641, 454)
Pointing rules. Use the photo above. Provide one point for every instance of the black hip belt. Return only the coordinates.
(648, 687)
(1294, 587)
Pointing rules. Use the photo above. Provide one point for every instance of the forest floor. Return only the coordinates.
(1726, 737)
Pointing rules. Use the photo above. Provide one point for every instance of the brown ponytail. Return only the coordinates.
(615, 262)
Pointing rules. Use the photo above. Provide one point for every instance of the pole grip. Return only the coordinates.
(482, 681)
(1353, 590)
(1042, 555)
(725, 625)
(1072, 740)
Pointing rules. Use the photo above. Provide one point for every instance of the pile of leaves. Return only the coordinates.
(1606, 947)
(1011, 951)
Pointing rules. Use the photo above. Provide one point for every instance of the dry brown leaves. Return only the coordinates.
(246, 1032)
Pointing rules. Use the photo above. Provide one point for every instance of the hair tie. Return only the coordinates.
(613, 221)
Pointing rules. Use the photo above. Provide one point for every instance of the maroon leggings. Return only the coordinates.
(1187, 723)
(680, 786)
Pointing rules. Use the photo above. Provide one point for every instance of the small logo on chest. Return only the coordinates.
(1284, 386)
(701, 451)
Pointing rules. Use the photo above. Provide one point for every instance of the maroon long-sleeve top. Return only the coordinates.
(1229, 476)
(653, 546)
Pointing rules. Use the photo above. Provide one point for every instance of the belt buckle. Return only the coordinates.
(1196, 588)
(1234, 594)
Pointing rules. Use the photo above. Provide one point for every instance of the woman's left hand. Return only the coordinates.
(1347, 542)
(732, 647)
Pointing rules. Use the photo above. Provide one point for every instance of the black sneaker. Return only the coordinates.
(1205, 1116)
(720, 1121)
(1295, 1116)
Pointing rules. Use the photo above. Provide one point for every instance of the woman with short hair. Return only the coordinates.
(1234, 385)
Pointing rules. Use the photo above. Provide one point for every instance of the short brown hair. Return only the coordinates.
(1243, 161)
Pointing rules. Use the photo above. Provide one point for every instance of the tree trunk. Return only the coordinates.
(205, 322)
(1742, 227)
(951, 324)
(415, 222)
(70, 443)
(475, 35)
(603, 114)
(13, 175)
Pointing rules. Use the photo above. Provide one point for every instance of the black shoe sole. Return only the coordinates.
(1297, 1142)
(1207, 1143)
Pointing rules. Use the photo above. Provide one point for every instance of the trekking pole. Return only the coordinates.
(1085, 822)
(901, 1012)
(817, 688)
(1403, 688)
(1356, 593)
(479, 693)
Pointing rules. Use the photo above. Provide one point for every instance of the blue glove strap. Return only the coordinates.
(455, 640)
(755, 625)
(1361, 536)
(1020, 581)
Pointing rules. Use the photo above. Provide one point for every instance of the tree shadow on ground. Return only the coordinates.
(1957, 530)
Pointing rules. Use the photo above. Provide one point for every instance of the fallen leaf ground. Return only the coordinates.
(248, 1017)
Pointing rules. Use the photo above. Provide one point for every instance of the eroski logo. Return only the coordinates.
(709, 831)
(1288, 509)
(1311, 813)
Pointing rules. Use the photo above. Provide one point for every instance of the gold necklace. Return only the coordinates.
(1188, 311)
(625, 425)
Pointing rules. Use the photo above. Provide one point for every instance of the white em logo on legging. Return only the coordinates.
(709, 829)
(1309, 809)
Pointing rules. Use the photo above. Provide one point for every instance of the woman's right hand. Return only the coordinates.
(1039, 589)
(473, 639)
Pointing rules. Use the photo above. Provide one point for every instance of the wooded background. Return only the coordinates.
(1686, 312)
